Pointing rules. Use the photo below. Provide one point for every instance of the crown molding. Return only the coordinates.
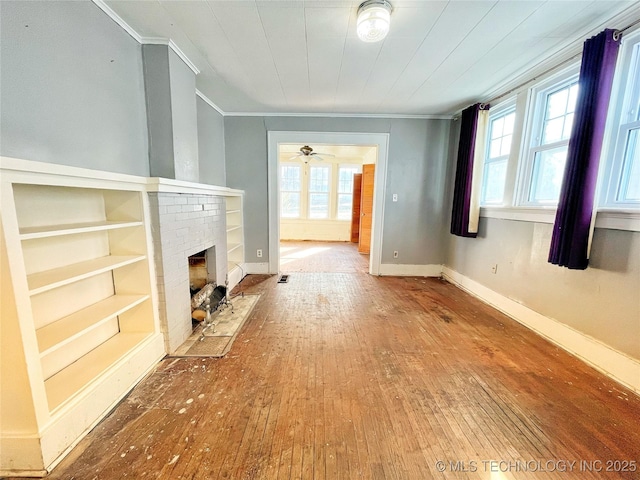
(338, 115)
(208, 101)
(569, 54)
(145, 40)
(172, 45)
(118, 19)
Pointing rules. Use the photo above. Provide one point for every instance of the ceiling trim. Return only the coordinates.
(172, 45)
(337, 115)
(118, 19)
(145, 40)
(208, 101)
(570, 53)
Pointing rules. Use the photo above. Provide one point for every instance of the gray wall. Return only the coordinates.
(157, 86)
(416, 170)
(601, 301)
(185, 118)
(210, 145)
(170, 89)
(72, 88)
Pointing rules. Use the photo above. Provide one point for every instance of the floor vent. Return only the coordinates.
(283, 279)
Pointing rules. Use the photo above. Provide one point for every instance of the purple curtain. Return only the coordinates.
(571, 231)
(464, 171)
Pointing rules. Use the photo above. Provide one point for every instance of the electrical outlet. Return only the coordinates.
(395, 254)
(494, 268)
(259, 253)
(395, 197)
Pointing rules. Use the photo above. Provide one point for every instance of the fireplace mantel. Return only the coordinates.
(159, 184)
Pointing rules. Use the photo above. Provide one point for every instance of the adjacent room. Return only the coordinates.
(381, 239)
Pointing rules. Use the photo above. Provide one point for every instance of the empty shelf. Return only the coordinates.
(69, 381)
(29, 233)
(68, 328)
(57, 277)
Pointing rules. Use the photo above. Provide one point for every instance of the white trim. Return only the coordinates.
(159, 184)
(173, 46)
(145, 40)
(571, 52)
(256, 268)
(29, 171)
(605, 218)
(118, 19)
(400, 270)
(208, 101)
(618, 220)
(338, 115)
(614, 364)
(523, 214)
(381, 140)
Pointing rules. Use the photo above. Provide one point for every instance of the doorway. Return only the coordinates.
(275, 139)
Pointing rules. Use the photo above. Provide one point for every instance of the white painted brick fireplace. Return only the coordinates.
(183, 223)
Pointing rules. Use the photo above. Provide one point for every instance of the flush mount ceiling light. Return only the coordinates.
(374, 17)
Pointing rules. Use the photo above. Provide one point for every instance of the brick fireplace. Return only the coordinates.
(184, 224)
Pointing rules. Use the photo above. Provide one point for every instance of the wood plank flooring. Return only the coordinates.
(350, 376)
(322, 257)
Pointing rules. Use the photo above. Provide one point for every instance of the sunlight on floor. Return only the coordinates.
(307, 252)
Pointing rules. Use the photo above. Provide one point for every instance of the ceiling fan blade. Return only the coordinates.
(331, 155)
(295, 157)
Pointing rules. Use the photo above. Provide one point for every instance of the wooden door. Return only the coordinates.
(355, 208)
(366, 208)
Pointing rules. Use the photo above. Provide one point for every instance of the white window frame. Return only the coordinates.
(328, 193)
(534, 131)
(301, 191)
(351, 166)
(626, 118)
(496, 113)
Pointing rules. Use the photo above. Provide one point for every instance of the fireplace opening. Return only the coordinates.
(202, 269)
(202, 273)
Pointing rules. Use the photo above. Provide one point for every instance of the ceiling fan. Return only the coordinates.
(306, 153)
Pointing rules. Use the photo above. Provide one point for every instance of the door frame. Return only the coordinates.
(380, 140)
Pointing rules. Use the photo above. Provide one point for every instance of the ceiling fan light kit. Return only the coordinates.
(306, 153)
(374, 18)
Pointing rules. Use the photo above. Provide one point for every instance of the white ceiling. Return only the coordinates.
(269, 56)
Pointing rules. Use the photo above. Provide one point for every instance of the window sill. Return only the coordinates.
(622, 219)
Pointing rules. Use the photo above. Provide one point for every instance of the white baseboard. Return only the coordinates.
(400, 270)
(256, 268)
(611, 362)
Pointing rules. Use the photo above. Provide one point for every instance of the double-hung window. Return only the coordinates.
(500, 137)
(552, 120)
(622, 189)
(290, 190)
(345, 191)
(319, 181)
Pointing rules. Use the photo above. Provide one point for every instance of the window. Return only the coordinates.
(499, 141)
(345, 191)
(553, 112)
(623, 185)
(290, 190)
(319, 191)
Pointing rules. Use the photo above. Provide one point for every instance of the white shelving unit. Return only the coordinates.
(79, 316)
(235, 238)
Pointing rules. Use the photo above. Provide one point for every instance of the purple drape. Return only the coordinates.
(571, 231)
(464, 172)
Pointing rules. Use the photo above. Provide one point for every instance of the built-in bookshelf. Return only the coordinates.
(78, 291)
(235, 238)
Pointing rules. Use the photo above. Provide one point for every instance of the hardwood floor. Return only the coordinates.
(326, 257)
(346, 376)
